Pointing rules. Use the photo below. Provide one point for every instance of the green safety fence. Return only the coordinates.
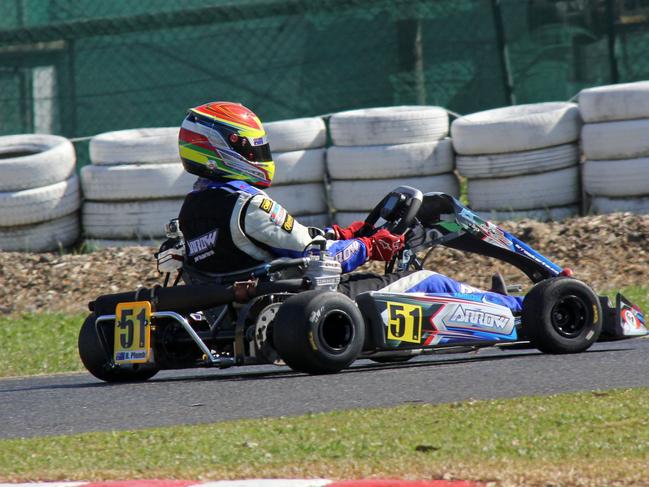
(82, 67)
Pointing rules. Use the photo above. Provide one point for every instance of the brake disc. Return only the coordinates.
(262, 344)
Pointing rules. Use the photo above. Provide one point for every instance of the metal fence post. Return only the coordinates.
(411, 57)
(610, 24)
(508, 82)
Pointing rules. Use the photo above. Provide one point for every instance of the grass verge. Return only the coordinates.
(39, 343)
(594, 438)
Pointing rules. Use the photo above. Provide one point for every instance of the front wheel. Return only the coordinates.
(95, 353)
(318, 332)
(562, 315)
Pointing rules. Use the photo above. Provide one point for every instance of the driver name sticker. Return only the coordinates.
(132, 333)
(404, 322)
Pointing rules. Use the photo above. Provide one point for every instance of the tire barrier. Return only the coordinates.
(615, 174)
(377, 149)
(41, 237)
(521, 161)
(299, 166)
(390, 161)
(516, 128)
(601, 204)
(128, 220)
(362, 196)
(388, 125)
(157, 145)
(98, 243)
(558, 213)
(39, 193)
(135, 184)
(299, 181)
(529, 192)
(296, 134)
(625, 101)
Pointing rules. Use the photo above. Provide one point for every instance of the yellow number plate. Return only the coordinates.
(404, 322)
(132, 333)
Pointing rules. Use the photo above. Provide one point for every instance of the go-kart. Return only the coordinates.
(289, 312)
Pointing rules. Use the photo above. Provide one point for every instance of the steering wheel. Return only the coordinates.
(398, 208)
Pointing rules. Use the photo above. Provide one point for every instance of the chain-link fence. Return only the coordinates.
(81, 67)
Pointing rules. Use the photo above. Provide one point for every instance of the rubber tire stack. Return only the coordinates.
(377, 149)
(521, 161)
(135, 184)
(39, 193)
(298, 151)
(616, 147)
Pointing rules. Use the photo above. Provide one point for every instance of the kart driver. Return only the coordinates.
(230, 224)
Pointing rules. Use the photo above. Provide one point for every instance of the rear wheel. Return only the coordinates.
(318, 332)
(97, 357)
(562, 315)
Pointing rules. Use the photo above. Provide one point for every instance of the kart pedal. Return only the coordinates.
(498, 284)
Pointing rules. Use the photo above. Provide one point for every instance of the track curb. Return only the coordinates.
(255, 483)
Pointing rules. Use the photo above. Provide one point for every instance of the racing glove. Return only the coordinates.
(350, 232)
(383, 245)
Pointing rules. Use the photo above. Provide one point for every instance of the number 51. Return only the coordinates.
(404, 322)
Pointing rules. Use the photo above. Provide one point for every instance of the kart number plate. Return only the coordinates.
(132, 333)
(404, 322)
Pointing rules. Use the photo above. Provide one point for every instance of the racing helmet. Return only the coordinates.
(224, 140)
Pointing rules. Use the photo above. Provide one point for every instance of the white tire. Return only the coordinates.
(556, 214)
(96, 244)
(365, 195)
(518, 163)
(141, 220)
(41, 237)
(615, 140)
(545, 190)
(136, 146)
(135, 181)
(389, 161)
(296, 134)
(615, 102)
(318, 221)
(601, 204)
(389, 125)
(516, 128)
(300, 199)
(34, 160)
(305, 166)
(39, 204)
(629, 177)
(346, 218)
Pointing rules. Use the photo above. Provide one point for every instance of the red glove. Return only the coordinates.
(349, 232)
(383, 245)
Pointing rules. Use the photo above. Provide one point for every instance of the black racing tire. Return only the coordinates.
(392, 360)
(562, 315)
(98, 361)
(318, 332)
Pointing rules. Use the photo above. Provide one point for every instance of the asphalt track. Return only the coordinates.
(64, 404)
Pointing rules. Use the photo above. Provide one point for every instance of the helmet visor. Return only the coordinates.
(254, 150)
